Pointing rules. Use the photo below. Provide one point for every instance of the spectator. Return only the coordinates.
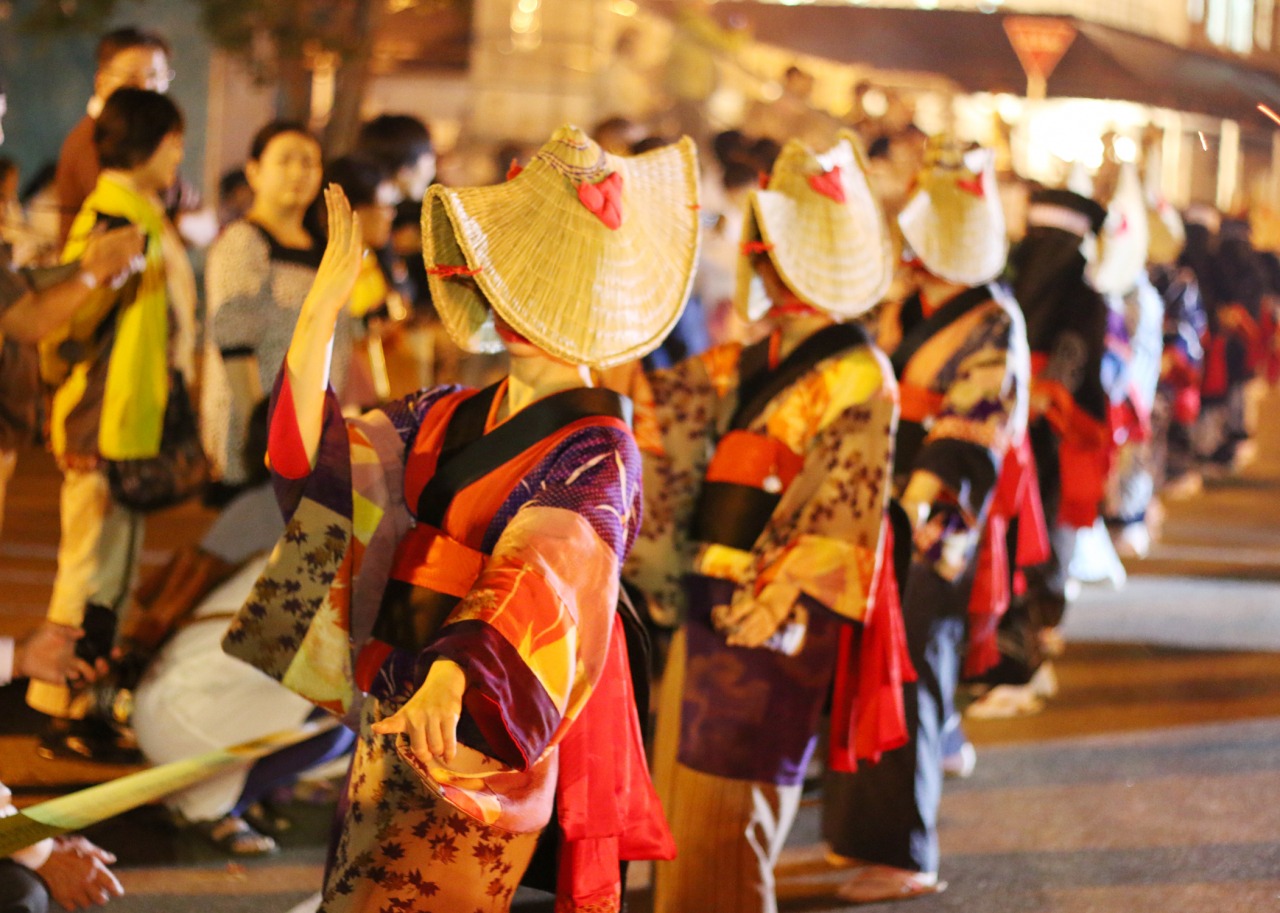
(126, 57)
(27, 315)
(114, 376)
(401, 145)
(257, 274)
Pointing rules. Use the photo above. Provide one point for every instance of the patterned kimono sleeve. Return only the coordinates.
(685, 404)
(533, 633)
(824, 537)
(984, 411)
(317, 598)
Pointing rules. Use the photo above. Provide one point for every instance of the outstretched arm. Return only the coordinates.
(307, 362)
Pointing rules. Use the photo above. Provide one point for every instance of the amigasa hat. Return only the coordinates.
(823, 229)
(954, 222)
(1125, 237)
(589, 256)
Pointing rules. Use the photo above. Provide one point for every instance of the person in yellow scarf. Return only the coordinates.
(111, 369)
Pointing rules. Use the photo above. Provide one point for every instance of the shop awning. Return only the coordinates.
(972, 49)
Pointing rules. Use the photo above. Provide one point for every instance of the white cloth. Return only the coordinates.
(6, 660)
(194, 698)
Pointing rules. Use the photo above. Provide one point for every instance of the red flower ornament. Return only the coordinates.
(604, 200)
(828, 184)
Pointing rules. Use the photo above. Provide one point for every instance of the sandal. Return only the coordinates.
(266, 816)
(235, 836)
(877, 883)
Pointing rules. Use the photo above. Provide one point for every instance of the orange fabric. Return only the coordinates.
(428, 558)
(745, 458)
(421, 464)
(868, 716)
(918, 403)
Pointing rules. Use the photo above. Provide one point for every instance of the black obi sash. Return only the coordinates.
(433, 571)
(749, 472)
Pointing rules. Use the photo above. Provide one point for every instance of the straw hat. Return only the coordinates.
(1125, 236)
(822, 228)
(588, 255)
(954, 221)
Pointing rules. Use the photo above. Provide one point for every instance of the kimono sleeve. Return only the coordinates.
(685, 403)
(318, 596)
(984, 410)
(824, 537)
(533, 632)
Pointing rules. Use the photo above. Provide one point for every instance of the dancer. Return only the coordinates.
(449, 575)
(764, 519)
(959, 349)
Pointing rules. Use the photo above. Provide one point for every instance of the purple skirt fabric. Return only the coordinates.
(752, 713)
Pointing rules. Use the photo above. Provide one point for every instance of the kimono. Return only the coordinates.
(963, 377)
(1066, 323)
(513, 574)
(768, 471)
(1177, 402)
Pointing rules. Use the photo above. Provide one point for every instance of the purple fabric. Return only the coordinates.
(283, 767)
(560, 481)
(752, 714)
(513, 712)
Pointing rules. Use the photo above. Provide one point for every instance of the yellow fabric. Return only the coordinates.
(371, 288)
(137, 384)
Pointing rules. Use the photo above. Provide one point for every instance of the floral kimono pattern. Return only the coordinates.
(533, 550)
(834, 424)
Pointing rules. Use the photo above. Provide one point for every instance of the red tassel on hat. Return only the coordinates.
(604, 200)
(450, 272)
(828, 184)
(515, 169)
(972, 185)
(756, 247)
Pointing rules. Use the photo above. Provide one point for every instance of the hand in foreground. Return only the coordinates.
(113, 256)
(752, 620)
(430, 717)
(48, 654)
(343, 256)
(77, 874)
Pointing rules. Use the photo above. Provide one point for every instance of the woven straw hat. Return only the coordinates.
(1125, 236)
(822, 228)
(589, 256)
(954, 222)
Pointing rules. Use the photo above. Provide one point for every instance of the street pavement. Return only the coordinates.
(1151, 783)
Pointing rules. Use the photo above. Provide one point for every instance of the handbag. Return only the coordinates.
(177, 473)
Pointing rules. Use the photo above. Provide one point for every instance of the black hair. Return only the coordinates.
(394, 141)
(730, 145)
(132, 125)
(112, 43)
(648, 144)
(739, 174)
(230, 182)
(358, 177)
(270, 131)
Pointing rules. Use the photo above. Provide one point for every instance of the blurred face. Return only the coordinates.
(137, 68)
(376, 218)
(774, 287)
(161, 170)
(416, 178)
(287, 176)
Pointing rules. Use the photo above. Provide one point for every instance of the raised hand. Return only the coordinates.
(343, 256)
(48, 654)
(430, 717)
